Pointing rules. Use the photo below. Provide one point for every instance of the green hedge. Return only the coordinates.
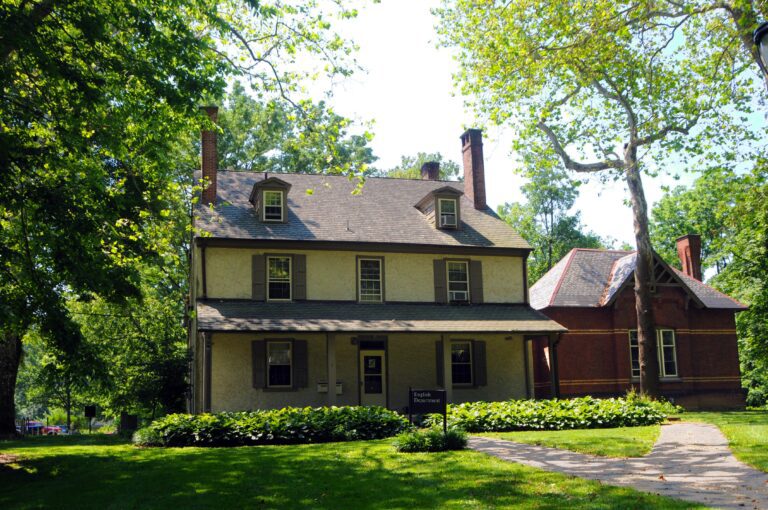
(280, 426)
(432, 440)
(577, 413)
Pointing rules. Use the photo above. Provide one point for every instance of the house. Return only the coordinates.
(304, 293)
(591, 292)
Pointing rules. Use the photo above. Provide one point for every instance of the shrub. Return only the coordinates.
(431, 440)
(280, 426)
(577, 413)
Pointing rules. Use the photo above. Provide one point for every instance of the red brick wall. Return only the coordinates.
(594, 355)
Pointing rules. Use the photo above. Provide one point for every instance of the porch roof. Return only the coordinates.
(335, 316)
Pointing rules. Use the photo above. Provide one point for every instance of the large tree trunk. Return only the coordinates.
(646, 327)
(10, 358)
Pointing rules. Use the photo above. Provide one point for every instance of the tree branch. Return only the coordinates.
(576, 166)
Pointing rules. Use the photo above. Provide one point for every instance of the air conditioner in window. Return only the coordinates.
(448, 220)
(458, 296)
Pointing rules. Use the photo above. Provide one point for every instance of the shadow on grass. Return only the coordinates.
(337, 475)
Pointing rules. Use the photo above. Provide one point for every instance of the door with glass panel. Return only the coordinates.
(373, 378)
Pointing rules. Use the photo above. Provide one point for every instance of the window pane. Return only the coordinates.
(279, 375)
(279, 268)
(279, 353)
(370, 280)
(634, 354)
(460, 353)
(457, 271)
(461, 373)
(667, 352)
(448, 207)
(461, 363)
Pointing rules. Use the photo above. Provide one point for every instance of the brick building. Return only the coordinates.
(591, 292)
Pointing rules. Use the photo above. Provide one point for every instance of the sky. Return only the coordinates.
(408, 91)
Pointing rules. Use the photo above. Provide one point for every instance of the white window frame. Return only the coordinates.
(468, 343)
(635, 374)
(290, 363)
(455, 212)
(278, 193)
(448, 280)
(360, 280)
(290, 277)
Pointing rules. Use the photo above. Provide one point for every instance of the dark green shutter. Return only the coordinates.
(300, 364)
(441, 292)
(258, 278)
(299, 277)
(476, 281)
(439, 362)
(259, 363)
(480, 373)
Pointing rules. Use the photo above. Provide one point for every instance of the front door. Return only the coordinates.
(373, 378)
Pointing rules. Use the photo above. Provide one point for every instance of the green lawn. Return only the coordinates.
(747, 433)
(102, 472)
(617, 442)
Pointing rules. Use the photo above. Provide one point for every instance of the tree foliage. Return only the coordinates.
(275, 136)
(545, 221)
(94, 96)
(410, 167)
(619, 88)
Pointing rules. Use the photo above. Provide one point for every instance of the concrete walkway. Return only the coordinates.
(690, 461)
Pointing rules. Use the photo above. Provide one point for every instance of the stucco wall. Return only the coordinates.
(411, 363)
(331, 275)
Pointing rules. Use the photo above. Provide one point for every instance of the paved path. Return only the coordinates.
(690, 461)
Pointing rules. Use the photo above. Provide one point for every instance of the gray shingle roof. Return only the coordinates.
(320, 316)
(591, 278)
(384, 212)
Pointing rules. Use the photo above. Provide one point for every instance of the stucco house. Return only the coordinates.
(591, 292)
(305, 293)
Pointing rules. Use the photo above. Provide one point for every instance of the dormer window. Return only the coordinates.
(270, 199)
(447, 212)
(273, 205)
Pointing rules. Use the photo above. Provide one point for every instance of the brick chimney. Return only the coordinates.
(474, 170)
(210, 156)
(430, 171)
(689, 251)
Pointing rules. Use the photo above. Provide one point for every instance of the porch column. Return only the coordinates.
(330, 343)
(447, 372)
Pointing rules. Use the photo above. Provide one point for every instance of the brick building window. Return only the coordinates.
(666, 348)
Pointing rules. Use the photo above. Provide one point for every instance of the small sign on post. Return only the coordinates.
(428, 402)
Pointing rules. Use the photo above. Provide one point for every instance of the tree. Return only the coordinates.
(94, 96)
(730, 211)
(274, 136)
(611, 88)
(410, 167)
(544, 220)
(706, 209)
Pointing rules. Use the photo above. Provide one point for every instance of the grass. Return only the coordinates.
(106, 472)
(616, 442)
(747, 433)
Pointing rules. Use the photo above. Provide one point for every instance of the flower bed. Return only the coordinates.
(280, 426)
(577, 413)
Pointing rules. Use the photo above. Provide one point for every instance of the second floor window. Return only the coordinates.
(369, 271)
(273, 205)
(666, 348)
(447, 210)
(279, 278)
(458, 282)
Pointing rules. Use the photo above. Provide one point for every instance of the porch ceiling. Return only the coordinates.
(334, 316)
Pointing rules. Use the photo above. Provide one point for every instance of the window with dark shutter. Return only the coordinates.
(439, 363)
(259, 363)
(299, 277)
(479, 365)
(300, 364)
